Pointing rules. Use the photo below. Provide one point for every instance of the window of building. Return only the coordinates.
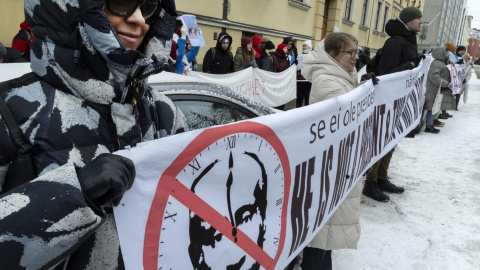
(379, 13)
(385, 17)
(363, 20)
(348, 10)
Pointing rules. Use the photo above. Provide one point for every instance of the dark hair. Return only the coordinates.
(336, 42)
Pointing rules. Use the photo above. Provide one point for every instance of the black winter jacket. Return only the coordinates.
(71, 113)
(220, 62)
(399, 50)
(14, 56)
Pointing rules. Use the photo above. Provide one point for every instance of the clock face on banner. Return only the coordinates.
(222, 203)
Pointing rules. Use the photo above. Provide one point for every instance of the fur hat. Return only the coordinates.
(269, 45)
(245, 41)
(409, 14)
(308, 43)
(3, 51)
(451, 47)
(266, 39)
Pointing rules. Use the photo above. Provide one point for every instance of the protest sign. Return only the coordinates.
(457, 74)
(269, 88)
(194, 34)
(255, 193)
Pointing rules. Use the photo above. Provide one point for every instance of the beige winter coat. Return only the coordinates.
(329, 80)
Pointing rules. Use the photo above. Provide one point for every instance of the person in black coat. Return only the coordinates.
(10, 55)
(219, 60)
(399, 53)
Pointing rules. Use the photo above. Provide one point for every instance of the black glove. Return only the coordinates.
(368, 76)
(106, 178)
(420, 57)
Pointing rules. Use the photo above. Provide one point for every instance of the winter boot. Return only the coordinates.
(443, 117)
(438, 123)
(387, 186)
(447, 115)
(372, 190)
(431, 129)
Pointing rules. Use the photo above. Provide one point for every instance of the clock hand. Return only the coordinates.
(229, 203)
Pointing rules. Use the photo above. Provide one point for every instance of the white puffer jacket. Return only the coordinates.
(329, 80)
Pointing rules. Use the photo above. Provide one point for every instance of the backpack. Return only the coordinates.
(22, 169)
(374, 63)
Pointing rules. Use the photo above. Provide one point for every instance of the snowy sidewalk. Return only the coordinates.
(435, 224)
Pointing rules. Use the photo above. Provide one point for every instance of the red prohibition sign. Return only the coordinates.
(168, 186)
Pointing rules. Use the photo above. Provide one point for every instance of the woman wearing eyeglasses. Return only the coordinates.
(330, 67)
(87, 97)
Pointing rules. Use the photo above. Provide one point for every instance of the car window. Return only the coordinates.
(201, 114)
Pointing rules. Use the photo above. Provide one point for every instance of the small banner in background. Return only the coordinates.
(193, 33)
(269, 88)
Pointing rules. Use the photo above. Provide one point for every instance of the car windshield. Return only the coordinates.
(201, 114)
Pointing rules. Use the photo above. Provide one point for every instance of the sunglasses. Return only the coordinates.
(125, 8)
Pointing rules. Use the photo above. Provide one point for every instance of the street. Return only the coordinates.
(435, 223)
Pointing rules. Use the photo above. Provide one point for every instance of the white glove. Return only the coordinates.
(184, 31)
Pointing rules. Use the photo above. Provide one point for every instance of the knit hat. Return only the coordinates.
(266, 39)
(3, 51)
(308, 43)
(460, 48)
(245, 41)
(280, 48)
(269, 45)
(451, 47)
(409, 14)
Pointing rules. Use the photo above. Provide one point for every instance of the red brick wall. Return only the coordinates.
(474, 48)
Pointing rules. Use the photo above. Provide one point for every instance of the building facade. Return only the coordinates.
(443, 21)
(11, 15)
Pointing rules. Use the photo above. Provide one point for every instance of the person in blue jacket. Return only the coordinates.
(184, 58)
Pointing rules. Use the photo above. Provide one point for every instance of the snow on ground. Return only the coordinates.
(435, 224)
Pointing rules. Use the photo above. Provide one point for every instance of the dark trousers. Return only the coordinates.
(316, 259)
(303, 93)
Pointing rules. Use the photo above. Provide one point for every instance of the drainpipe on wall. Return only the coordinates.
(225, 13)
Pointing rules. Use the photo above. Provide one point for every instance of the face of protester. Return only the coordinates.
(249, 47)
(344, 58)
(131, 30)
(305, 47)
(461, 53)
(285, 50)
(225, 45)
(415, 25)
(289, 46)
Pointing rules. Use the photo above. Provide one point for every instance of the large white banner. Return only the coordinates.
(253, 194)
(269, 88)
(457, 74)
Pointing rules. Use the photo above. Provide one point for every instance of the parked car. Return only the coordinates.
(206, 104)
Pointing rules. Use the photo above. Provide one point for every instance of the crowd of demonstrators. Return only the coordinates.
(245, 55)
(399, 53)
(23, 40)
(219, 59)
(10, 55)
(80, 104)
(303, 85)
